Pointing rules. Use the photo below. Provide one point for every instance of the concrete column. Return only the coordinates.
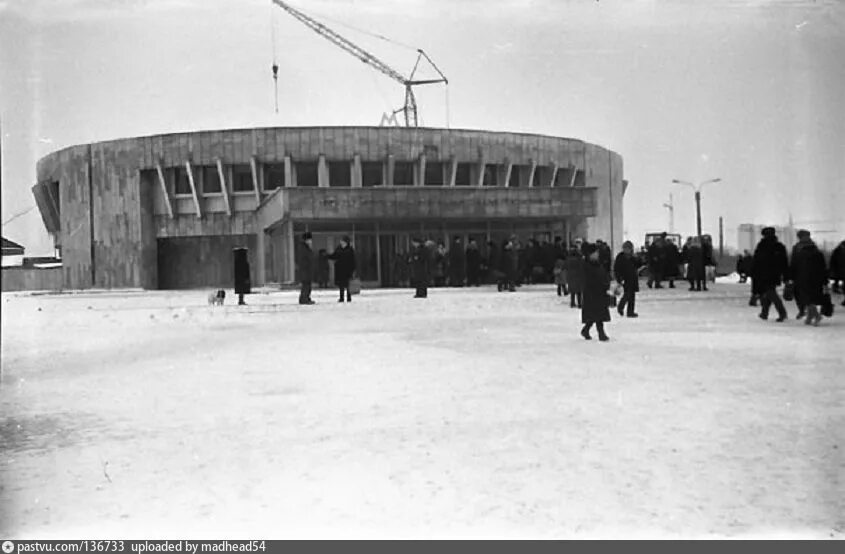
(289, 180)
(260, 257)
(290, 260)
(453, 171)
(356, 171)
(481, 166)
(322, 172)
(508, 168)
(391, 163)
(554, 174)
(530, 183)
(420, 180)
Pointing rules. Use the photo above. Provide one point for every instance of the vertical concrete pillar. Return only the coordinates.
(322, 172)
(531, 171)
(356, 171)
(508, 169)
(290, 261)
(420, 180)
(453, 171)
(289, 177)
(391, 163)
(481, 166)
(260, 257)
(554, 174)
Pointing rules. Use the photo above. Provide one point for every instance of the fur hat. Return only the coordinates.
(768, 231)
(803, 234)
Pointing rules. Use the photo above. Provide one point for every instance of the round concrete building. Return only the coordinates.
(165, 211)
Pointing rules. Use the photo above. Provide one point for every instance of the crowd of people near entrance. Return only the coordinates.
(584, 271)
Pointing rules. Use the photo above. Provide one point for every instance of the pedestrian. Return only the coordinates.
(472, 257)
(305, 267)
(672, 261)
(743, 266)
(440, 261)
(837, 268)
(656, 262)
(595, 302)
(510, 264)
(574, 271)
(708, 259)
(494, 263)
(696, 272)
(560, 275)
(769, 269)
(242, 280)
(808, 272)
(625, 269)
(457, 263)
(419, 265)
(344, 267)
(605, 255)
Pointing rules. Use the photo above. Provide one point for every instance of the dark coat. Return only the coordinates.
(656, 255)
(419, 264)
(242, 281)
(625, 269)
(594, 302)
(305, 263)
(473, 259)
(344, 264)
(837, 262)
(769, 266)
(574, 271)
(457, 264)
(672, 260)
(695, 263)
(510, 262)
(809, 272)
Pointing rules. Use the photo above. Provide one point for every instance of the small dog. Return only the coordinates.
(216, 298)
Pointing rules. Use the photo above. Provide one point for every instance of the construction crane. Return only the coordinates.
(410, 108)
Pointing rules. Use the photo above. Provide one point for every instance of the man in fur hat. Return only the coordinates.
(769, 269)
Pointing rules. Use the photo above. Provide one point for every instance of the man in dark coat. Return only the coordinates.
(419, 264)
(457, 263)
(769, 269)
(494, 263)
(242, 281)
(696, 272)
(574, 268)
(305, 267)
(605, 255)
(656, 263)
(837, 268)
(672, 261)
(809, 273)
(595, 303)
(473, 263)
(510, 263)
(625, 270)
(344, 267)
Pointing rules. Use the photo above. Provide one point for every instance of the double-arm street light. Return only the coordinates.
(697, 189)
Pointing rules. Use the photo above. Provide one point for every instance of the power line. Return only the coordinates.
(14, 217)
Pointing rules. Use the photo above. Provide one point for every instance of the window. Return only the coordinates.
(491, 178)
(563, 176)
(181, 186)
(371, 174)
(434, 173)
(514, 180)
(579, 179)
(462, 175)
(241, 178)
(210, 180)
(340, 174)
(274, 176)
(306, 174)
(536, 180)
(403, 173)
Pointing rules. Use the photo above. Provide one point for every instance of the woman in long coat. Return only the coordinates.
(595, 303)
(809, 271)
(573, 267)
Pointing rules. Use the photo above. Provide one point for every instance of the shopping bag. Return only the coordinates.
(355, 286)
(789, 292)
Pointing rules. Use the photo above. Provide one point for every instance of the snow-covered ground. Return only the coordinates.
(470, 414)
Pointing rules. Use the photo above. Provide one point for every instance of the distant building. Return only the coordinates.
(749, 234)
(12, 253)
(166, 211)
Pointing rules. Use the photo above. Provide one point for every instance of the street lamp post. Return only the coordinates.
(697, 189)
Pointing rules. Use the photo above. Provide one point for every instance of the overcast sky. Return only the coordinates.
(748, 91)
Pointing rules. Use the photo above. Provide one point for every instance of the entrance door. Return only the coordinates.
(387, 253)
(366, 258)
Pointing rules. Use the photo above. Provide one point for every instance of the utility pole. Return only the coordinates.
(671, 207)
(697, 189)
(721, 237)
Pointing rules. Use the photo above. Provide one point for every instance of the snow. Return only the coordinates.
(469, 414)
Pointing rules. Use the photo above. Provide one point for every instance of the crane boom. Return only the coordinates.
(410, 107)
